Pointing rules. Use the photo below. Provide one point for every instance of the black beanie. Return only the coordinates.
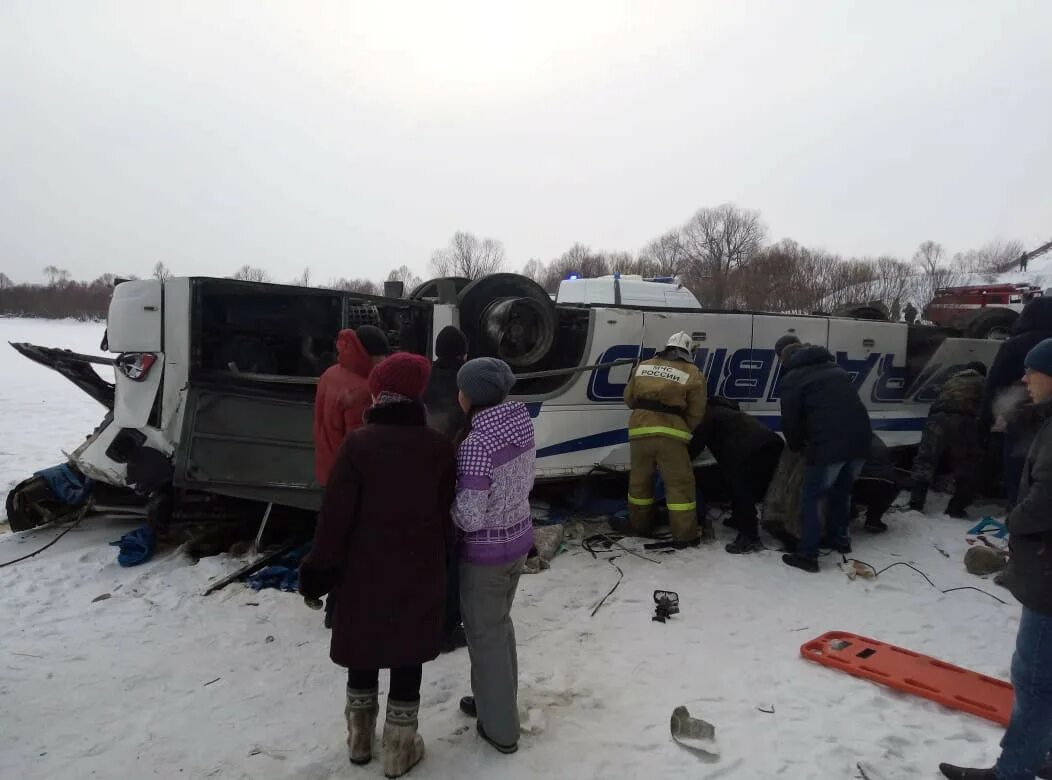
(451, 343)
(374, 341)
(784, 342)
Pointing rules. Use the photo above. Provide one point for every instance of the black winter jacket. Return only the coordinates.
(879, 466)
(732, 436)
(1029, 575)
(821, 411)
(1033, 326)
(443, 409)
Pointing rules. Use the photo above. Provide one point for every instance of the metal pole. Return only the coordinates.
(262, 526)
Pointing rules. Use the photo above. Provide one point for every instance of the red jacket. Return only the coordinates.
(343, 396)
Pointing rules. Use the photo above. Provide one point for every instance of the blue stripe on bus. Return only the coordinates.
(773, 421)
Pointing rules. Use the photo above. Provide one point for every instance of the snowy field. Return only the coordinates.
(157, 681)
(42, 414)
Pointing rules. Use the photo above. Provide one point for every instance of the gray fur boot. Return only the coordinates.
(403, 747)
(361, 711)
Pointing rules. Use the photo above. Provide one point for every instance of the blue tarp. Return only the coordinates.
(283, 574)
(136, 546)
(68, 486)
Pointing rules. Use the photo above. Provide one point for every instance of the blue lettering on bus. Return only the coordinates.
(890, 386)
(748, 371)
(755, 374)
(858, 369)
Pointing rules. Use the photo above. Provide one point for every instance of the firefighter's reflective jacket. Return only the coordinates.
(667, 398)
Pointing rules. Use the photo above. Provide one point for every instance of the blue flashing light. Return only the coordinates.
(572, 277)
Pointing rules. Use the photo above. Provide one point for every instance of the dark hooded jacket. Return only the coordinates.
(822, 414)
(1029, 574)
(380, 544)
(442, 398)
(341, 400)
(879, 466)
(732, 436)
(1033, 326)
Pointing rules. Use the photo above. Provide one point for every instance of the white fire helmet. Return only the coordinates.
(680, 340)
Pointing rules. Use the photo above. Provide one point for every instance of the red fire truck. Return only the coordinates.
(983, 311)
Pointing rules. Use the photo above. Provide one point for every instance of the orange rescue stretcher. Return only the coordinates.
(910, 672)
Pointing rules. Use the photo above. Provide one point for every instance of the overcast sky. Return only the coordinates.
(352, 137)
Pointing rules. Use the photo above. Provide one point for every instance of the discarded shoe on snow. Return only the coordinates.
(694, 734)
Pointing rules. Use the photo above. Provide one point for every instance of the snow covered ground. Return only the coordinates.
(157, 681)
(42, 414)
(1038, 272)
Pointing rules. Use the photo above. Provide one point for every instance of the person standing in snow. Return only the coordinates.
(445, 416)
(1028, 740)
(343, 393)
(823, 417)
(380, 548)
(667, 397)
(952, 429)
(1033, 326)
(747, 452)
(495, 469)
(910, 313)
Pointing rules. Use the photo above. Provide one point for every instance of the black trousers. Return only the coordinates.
(748, 488)
(876, 494)
(405, 682)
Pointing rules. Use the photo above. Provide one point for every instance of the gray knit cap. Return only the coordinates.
(485, 381)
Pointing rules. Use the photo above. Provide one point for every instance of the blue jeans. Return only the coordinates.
(830, 483)
(1029, 736)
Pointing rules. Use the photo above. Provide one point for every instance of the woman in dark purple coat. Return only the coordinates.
(380, 549)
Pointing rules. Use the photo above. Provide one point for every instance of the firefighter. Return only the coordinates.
(667, 397)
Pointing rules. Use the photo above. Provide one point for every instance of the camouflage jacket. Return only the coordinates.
(961, 394)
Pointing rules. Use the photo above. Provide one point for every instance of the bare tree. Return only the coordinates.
(5, 281)
(624, 263)
(303, 280)
(535, 270)
(469, 257)
(405, 275)
(161, 272)
(106, 281)
(247, 273)
(715, 242)
(578, 261)
(363, 286)
(665, 253)
(994, 258)
(56, 277)
(929, 257)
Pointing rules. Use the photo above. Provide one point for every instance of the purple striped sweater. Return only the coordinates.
(494, 479)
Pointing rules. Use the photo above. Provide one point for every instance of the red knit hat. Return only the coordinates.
(402, 373)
